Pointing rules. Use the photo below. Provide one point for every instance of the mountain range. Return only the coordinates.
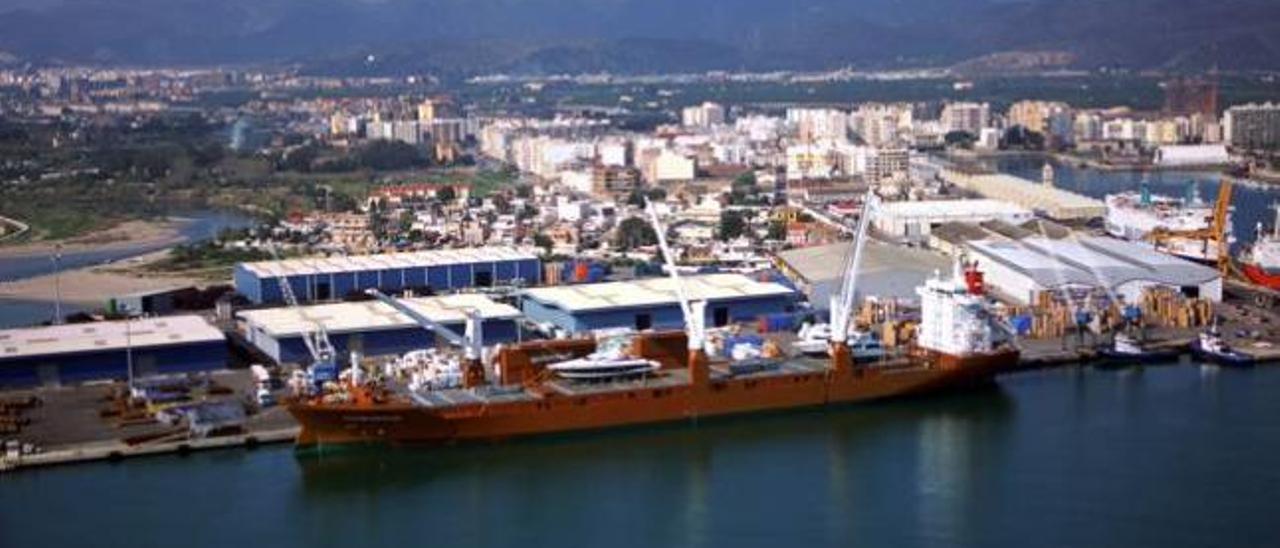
(636, 36)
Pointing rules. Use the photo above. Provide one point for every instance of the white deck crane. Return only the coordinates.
(693, 311)
(471, 341)
(324, 359)
(843, 303)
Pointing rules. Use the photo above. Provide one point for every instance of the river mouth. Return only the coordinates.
(194, 226)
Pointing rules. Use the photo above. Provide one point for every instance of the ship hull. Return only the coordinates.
(1258, 275)
(407, 423)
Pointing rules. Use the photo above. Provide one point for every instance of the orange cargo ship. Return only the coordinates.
(698, 391)
(956, 348)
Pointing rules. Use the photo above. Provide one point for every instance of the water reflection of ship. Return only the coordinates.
(851, 436)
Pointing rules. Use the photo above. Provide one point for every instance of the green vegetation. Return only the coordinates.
(960, 139)
(1021, 138)
(1083, 91)
(732, 225)
(637, 196)
(746, 191)
(634, 232)
(206, 255)
(541, 240)
(487, 181)
(777, 230)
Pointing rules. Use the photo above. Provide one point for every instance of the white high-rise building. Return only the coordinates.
(966, 117)
(884, 124)
(819, 124)
(1252, 126)
(704, 116)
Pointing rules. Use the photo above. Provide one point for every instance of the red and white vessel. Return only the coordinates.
(1261, 262)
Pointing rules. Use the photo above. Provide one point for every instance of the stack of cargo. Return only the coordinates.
(877, 311)
(897, 333)
(1168, 308)
(584, 271)
(553, 274)
(12, 413)
(1052, 316)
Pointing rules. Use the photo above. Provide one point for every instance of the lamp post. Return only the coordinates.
(128, 348)
(57, 284)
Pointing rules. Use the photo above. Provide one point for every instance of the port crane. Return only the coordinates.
(471, 341)
(324, 359)
(693, 311)
(1216, 232)
(842, 304)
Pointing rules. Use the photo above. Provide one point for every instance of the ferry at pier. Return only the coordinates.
(1135, 216)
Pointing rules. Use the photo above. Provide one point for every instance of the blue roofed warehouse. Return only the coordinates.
(320, 279)
(373, 328)
(63, 354)
(652, 303)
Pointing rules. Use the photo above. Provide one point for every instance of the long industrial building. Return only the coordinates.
(330, 278)
(73, 353)
(1038, 197)
(888, 271)
(1020, 269)
(372, 327)
(913, 221)
(652, 303)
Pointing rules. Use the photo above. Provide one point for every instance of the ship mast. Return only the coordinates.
(693, 311)
(471, 341)
(842, 304)
(1275, 228)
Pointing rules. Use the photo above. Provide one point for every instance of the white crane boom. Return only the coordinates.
(693, 312)
(316, 338)
(843, 303)
(472, 341)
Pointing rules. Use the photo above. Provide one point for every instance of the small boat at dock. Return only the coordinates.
(1128, 350)
(1211, 347)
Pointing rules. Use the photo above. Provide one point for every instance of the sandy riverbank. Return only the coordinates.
(123, 235)
(94, 285)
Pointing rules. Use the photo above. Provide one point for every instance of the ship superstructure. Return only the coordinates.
(955, 320)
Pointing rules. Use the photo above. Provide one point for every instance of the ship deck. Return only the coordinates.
(670, 378)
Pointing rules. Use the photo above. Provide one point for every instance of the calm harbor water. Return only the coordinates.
(1252, 203)
(1168, 456)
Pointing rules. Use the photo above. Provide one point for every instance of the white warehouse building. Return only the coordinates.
(914, 221)
(1020, 269)
(1192, 155)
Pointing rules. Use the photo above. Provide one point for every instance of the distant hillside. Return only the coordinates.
(644, 35)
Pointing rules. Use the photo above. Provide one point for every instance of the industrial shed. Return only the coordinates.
(372, 327)
(1019, 269)
(914, 221)
(331, 278)
(64, 354)
(1054, 202)
(887, 271)
(652, 303)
